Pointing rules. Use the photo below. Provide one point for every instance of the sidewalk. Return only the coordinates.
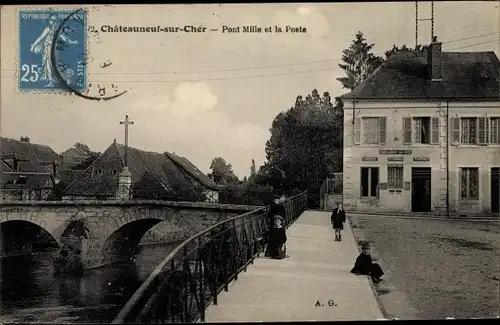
(318, 270)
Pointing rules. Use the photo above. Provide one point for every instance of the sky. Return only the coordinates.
(204, 95)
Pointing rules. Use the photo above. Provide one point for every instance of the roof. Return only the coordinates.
(405, 75)
(153, 174)
(32, 155)
(191, 169)
(75, 151)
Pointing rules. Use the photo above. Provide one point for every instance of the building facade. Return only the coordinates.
(422, 134)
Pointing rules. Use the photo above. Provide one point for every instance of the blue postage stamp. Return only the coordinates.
(52, 50)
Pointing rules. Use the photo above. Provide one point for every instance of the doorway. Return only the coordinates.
(421, 189)
(495, 190)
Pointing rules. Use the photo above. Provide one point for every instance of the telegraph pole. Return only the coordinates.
(417, 19)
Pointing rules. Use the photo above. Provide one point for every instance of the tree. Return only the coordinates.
(252, 179)
(359, 62)
(396, 49)
(253, 171)
(304, 140)
(222, 172)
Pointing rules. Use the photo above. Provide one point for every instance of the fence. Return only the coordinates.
(25, 193)
(191, 276)
(241, 196)
(331, 191)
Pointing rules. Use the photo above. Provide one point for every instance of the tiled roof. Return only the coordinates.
(153, 174)
(32, 155)
(190, 168)
(405, 75)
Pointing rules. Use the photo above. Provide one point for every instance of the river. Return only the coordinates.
(30, 293)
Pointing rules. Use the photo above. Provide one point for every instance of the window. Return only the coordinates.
(469, 183)
(495, 130)
(395, 176)
(99, 172)
(372, 129)
(468, 127)
(114, 172)
(369, 181)
(421, 130)
(472, 130)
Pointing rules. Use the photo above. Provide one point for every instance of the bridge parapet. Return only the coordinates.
(187, 204)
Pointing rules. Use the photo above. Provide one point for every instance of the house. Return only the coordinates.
(422, 134)
(210, 188)
(28, 170)
(149, 175)
(74, 156)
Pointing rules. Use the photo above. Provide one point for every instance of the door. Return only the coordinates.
(421, 189)
(495, 190)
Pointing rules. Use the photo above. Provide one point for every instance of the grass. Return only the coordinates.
(434, 268)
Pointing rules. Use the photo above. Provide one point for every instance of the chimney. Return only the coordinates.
(25, 139)
(434, 60)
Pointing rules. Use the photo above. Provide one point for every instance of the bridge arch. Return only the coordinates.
(16, 222)
(21, 237)
(123, 241)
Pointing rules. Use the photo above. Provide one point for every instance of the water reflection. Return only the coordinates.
(30, 292)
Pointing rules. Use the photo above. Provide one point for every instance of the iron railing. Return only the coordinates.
(191, 276)
(14, 192)
(240, 196)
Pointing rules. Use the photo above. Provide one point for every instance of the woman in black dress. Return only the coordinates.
(338, 218)
(275, 209)
(277, 239)
(364, 265)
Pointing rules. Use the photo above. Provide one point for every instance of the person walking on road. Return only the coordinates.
(338, 218)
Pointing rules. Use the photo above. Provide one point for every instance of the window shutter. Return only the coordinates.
(455, 129)
(361, 182)
(383, 129)
(435, 130)
(357, 130)
(481, 130)
(407, 130)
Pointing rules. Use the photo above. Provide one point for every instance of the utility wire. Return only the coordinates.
(267, 66)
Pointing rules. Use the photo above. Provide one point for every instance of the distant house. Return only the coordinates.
(74, 156)
(154, 176)
(210, 189)
(28, 171)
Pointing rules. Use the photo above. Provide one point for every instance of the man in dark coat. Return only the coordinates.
(365, 266)
(338, 218)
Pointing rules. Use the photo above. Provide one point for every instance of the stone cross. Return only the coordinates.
(127, 123)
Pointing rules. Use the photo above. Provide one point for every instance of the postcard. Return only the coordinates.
(249, 162)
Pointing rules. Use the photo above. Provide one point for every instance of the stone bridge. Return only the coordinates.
(108, 231)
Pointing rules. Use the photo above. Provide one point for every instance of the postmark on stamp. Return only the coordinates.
(52, 57)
